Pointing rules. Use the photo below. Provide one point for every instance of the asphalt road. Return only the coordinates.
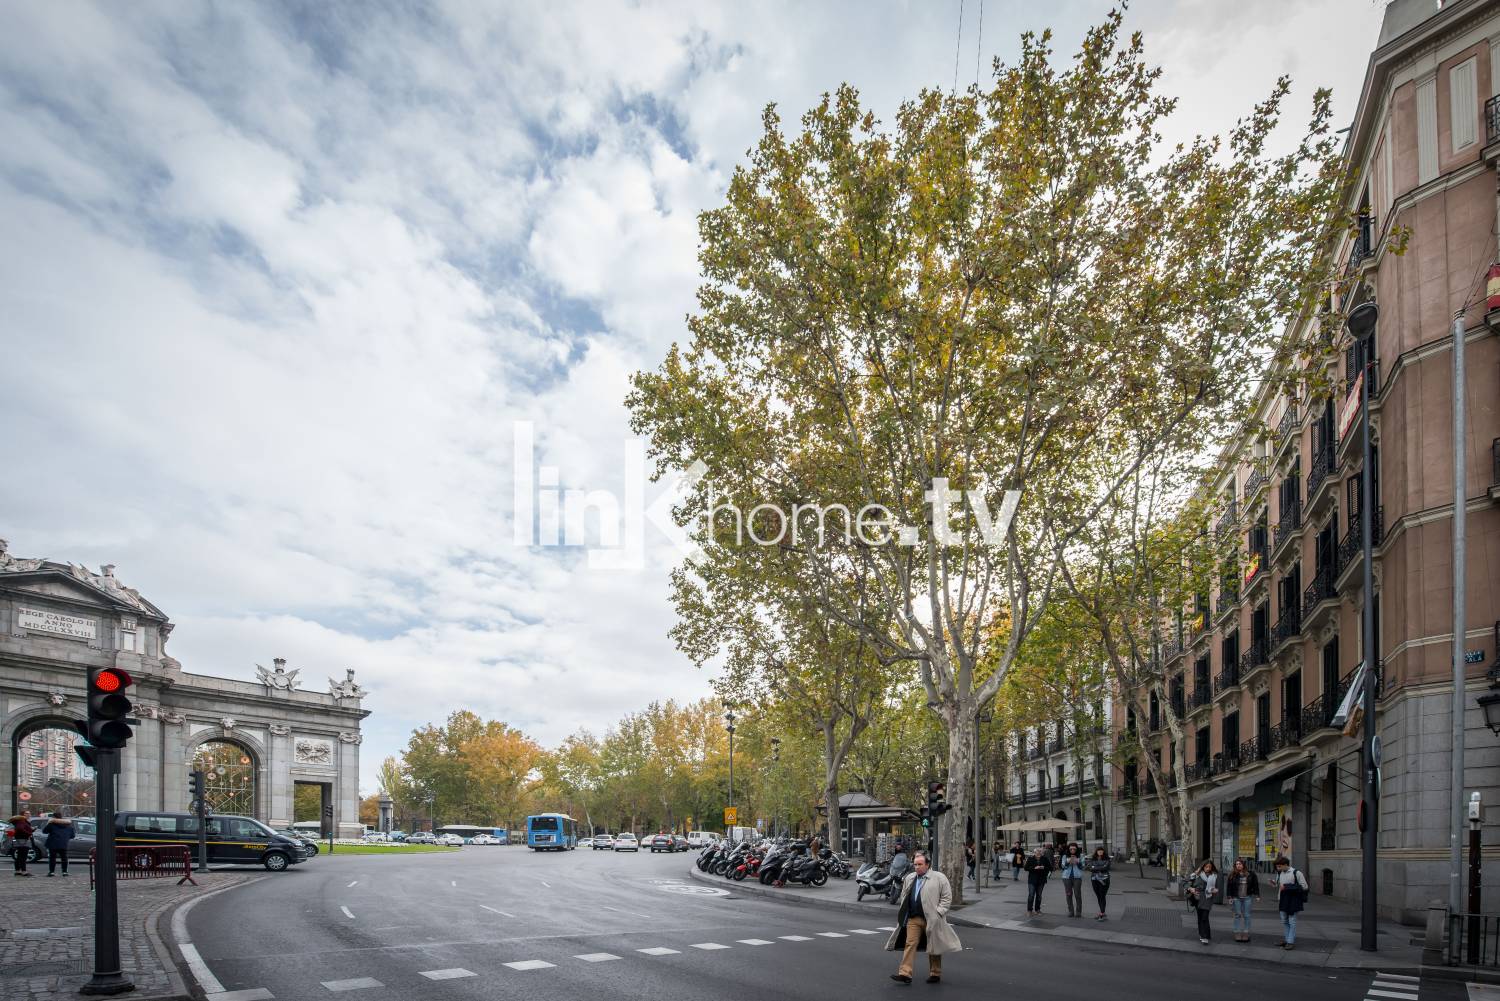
(505, 922)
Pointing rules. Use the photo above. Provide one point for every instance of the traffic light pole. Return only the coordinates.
(107, 978)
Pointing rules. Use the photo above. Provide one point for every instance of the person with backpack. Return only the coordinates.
(1037, 869)
(1243, 890)
(1072, 877)
(1017, 861)
(20, 849)
(1291, 898)
(1098, 870)
(58, 831)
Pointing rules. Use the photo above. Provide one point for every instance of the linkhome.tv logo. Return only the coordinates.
(549, 515)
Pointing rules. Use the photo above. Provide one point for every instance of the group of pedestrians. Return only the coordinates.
(1075, 870)
(1241, 887)
(57, 832)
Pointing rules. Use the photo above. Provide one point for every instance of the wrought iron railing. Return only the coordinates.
(1251, 751)
(1203, 695)
(1288, 626)
(1324, 464)
(1289, 525)
(1172, 650)
(1492, 119)
(1288, 423)
(1473, 940)
(1226, 602)
(1319, 712)
(1287, 733)
(1227, 679)
(1351, 543)
(1253, 658)
(1363, 246)
(1226, 522)
(1254, 482)
(1197, 771)
(1320, 590)
(1226, 762)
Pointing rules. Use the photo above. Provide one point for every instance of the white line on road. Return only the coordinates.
(452, 974)
(659, 951)
(887, 927)
(794, 938)
(1391, 994)
(355, 883)
(623, 910)
(347, 912)
(756, 941)
(597, 957)
(545, 883)
(1398, 976)
(709, 946)
(200, 969)
(494, 911)
(530, 964)
(863, 931)
(452, 882)
(832, 934)
(1382, 984)
(357, 984)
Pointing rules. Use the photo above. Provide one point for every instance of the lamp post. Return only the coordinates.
(776, 773)
(729, 725)
(982, 716)
(1361, 322)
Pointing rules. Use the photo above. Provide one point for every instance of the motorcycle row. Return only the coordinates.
(773, 862)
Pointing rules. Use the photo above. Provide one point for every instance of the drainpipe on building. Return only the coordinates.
(1460, 551)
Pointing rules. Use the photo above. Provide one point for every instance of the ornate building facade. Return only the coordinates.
(258, 741)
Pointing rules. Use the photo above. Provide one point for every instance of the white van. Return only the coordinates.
(743, 834)
(701, 839)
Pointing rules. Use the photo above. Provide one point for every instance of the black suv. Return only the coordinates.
(231, 840)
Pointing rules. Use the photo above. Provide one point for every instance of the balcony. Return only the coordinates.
(1492, 120)
(1197, 771)
(1254, 660)
(1226, 604)
(1055, 746)
(1285, 735)
(1227, 762)
(1286, 431)
(1363, 248)
(1253, 484)
(1251, 751)
(1036, 752)
(1257, 570)
(1227, 681)
(1288, 528)
(1202, 696)
(1226, 523)
(1318, 713)
(1171, 651)
(1325, 464)
(1288, 629)
(1351, 546)
(1321, 596)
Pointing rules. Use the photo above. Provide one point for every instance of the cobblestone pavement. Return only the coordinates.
(47, 933)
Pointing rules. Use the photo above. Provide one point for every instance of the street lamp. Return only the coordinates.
(775, 760)
(729, 725)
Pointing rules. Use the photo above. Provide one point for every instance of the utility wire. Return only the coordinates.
(958, 46)
(979, 46)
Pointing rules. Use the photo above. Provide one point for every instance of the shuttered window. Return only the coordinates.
(1463, 103)
(1427, 159)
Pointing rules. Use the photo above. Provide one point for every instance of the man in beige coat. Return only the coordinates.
(922, 921)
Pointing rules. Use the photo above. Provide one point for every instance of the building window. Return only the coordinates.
(1463, 104)
(229, 777)
(1427, 147)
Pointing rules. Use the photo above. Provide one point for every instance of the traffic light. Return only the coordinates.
(107, 726)
(926, 817)
(937, 802)
(328, 812)
(195, 788)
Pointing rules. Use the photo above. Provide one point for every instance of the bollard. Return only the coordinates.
(1437, 929)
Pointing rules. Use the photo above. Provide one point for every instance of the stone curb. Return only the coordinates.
(1258, 954)
(190, 990)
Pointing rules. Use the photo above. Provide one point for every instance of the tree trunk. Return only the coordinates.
(960, 796)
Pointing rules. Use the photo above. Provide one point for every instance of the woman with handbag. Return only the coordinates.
(1243, 890)
(1206, 890)
(1098, 870)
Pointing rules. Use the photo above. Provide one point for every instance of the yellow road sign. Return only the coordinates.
(731, 816)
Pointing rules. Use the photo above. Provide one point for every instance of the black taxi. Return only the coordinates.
(231, 840)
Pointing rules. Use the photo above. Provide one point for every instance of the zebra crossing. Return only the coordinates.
(536, 965)
(1394, 987)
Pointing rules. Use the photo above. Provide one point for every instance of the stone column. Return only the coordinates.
(346, 788)
(386, 806)
(174, 761)
(279, 768)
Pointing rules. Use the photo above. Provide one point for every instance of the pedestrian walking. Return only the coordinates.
(1291, 898)
(58, 831)
(970, 855)
(1037, 870)
(1017, 861)
(20, 845)
(1072, 877)
(1098, 870)
(1206, 890)
(1243, 890)
(922, 922)
(997, 852)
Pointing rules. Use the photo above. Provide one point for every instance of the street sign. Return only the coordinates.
(731, 816)
(759, 822)
(1375, 750)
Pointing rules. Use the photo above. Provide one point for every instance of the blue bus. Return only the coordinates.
(551, 831)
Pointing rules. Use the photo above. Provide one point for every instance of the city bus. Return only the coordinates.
(551, 831)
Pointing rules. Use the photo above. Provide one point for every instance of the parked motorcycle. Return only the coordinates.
(874, 879)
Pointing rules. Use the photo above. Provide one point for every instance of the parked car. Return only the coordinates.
(308, 842)
(376, 837)
(451, 840)
(78, 848)
(604, 841)
(421, 838)
(399, 836)
(231, 839)
(701, 839)
(626, 842)
(484, 839)
(681, 842)
(660, 843)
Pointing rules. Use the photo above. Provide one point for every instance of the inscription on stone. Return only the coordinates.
(36, 620)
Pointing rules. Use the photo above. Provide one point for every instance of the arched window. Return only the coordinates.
(229, 777)
(48, 774)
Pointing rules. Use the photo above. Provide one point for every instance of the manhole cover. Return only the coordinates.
(702, 891)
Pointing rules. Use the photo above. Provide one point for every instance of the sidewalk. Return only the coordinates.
(47, 933)
(1140, 914)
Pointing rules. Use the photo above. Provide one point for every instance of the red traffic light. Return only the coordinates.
(111, 679)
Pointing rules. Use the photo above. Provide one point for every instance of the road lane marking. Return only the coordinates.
(452, 974)
(530, 964)
(1398, 976)
(709, 946)
(493, 910)
(597, 957)
(200, 969)
(357, 984)
(659, 951)
(623, 910)
(347, 912)
(1391, 994)
(756, 941)
(1385, 980)
(887, 927)
(794, 938)
(452, 882)
(832, 934)
(250, 994)
(355, 883)
(863, 931)
(545, 883)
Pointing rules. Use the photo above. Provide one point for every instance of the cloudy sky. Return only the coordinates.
(278, 281)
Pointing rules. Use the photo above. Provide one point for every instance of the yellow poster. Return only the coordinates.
(1284, 831)
(1247, 839)
(1270, 832)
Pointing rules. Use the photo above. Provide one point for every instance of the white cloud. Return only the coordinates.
(277, 283)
